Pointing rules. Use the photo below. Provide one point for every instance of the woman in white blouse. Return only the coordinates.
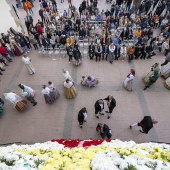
(69, 89)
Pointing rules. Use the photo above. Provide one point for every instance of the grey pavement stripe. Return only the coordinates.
(70, 110)
(144, 107)
(14, 77)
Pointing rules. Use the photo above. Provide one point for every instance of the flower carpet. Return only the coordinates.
(86, 155)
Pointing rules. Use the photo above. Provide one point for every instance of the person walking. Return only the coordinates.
(69, 89)
(82, 117)
(48, 95)
(99, 106)
(104, 130)
(128, 82)
(53, 89)
(111, 103)
(28, 93)
(153, 78)
(27, 61)
(146, 124)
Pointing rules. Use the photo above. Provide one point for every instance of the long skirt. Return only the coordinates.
(17, 50)
(128, 86)
(78, 61)
(146, 76)
(30, 68)
(21, 106)
(165, 71)
(71, 92)
(167, 83)
(49, 99)
(56, 94)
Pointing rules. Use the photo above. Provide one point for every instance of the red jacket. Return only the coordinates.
(3, 50)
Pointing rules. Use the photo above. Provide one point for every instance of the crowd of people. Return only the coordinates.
(121, 32)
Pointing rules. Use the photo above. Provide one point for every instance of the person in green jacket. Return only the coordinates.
(154, 77)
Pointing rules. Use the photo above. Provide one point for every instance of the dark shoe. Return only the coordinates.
(107, 111)
(130, 127)
(108, 117)
(81, 126)
(145, 87)
(35, 104)
(97, 117)
(2, 69)
(1, 73)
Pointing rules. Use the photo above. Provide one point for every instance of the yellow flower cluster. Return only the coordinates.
(80, 158)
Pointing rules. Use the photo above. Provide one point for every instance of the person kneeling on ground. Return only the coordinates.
(91, 81)
(104, 130)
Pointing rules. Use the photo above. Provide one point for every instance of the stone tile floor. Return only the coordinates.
(45, 122)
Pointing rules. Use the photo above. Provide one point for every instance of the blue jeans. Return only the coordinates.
(8, 58)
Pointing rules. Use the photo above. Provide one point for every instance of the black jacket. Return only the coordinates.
(112, 103)
(146, 124)
(81, 116)
(97, 106)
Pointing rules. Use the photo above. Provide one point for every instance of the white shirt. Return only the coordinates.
(26, 60)
(85, 116)
(46, 91)
(101, 105)
(111, 48)
(68, 85)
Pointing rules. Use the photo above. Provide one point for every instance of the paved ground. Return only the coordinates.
(45, 122)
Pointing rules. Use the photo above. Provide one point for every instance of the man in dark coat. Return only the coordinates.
(41, 14)
(82, 116)
(111, 103)
(104, 130)
(91, 51)
(99, 106)
(146, 124)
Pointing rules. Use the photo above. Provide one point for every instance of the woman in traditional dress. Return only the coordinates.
(91, 81)
(69, 89)
(165, 70)
(15, 47)
(149, 73)
(27, 61)
(77, 58)
(16, 100)
(53, 90)
(128, 82)
(48, 95)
